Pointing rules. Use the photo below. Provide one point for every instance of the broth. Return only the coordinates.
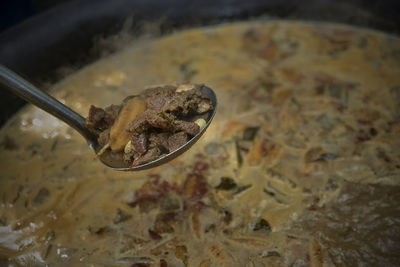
(301, 165)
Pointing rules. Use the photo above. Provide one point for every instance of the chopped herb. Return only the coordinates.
(242, 188)
(226, 184)
(238, 154)
(262, 225)
(269, 192)
(273, 195)
(98, 229)
(249, 133)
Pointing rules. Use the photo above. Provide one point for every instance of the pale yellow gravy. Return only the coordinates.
(324, 167)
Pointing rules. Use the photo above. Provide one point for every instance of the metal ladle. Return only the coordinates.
(39, 98)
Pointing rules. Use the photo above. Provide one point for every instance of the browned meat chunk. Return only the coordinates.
(100, 119)
(190, 128)
(95, 119)
(188, 102)
(161, 121)
(162, 127)
(159, 140)
(139, 143)
(111, 113)
(150, 119)
(151, 154)
(159, 96)
(177, 140)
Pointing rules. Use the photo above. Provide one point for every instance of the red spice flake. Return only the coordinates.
(163, 263)
(153, 191)
(244, 149)
(200, 167)
(154, 235)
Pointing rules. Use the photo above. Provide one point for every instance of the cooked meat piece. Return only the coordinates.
(190, 128)
(187, 102)
(162, 127)
(175, 105)
(177, 140)
(139, 143)
(111, 113)
(159, 96)
(150, 118)
(140, 123)
(95, 119)
(159, 140)
(161, 121)
(151, 154)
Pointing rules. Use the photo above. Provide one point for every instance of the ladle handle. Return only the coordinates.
(39, 98)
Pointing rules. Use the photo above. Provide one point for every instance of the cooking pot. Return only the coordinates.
(66, 34)
(299, 167)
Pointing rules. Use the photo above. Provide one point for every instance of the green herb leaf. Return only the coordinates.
(226, 184)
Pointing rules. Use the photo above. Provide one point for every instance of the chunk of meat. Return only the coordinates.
(147, 126)
(159, 140)
(151, 119)
(177, 140)
(159, 96)
(190, 128)
(161, 121)
(111, 113)
(151, 154)
(95, 119)
(192, 101)
(139, 143)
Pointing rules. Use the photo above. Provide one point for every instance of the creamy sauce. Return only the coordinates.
(323, 167)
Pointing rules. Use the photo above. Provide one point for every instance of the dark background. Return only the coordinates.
(39, 37)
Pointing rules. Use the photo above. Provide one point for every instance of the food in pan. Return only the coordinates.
(147, 126)
(300, 167)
